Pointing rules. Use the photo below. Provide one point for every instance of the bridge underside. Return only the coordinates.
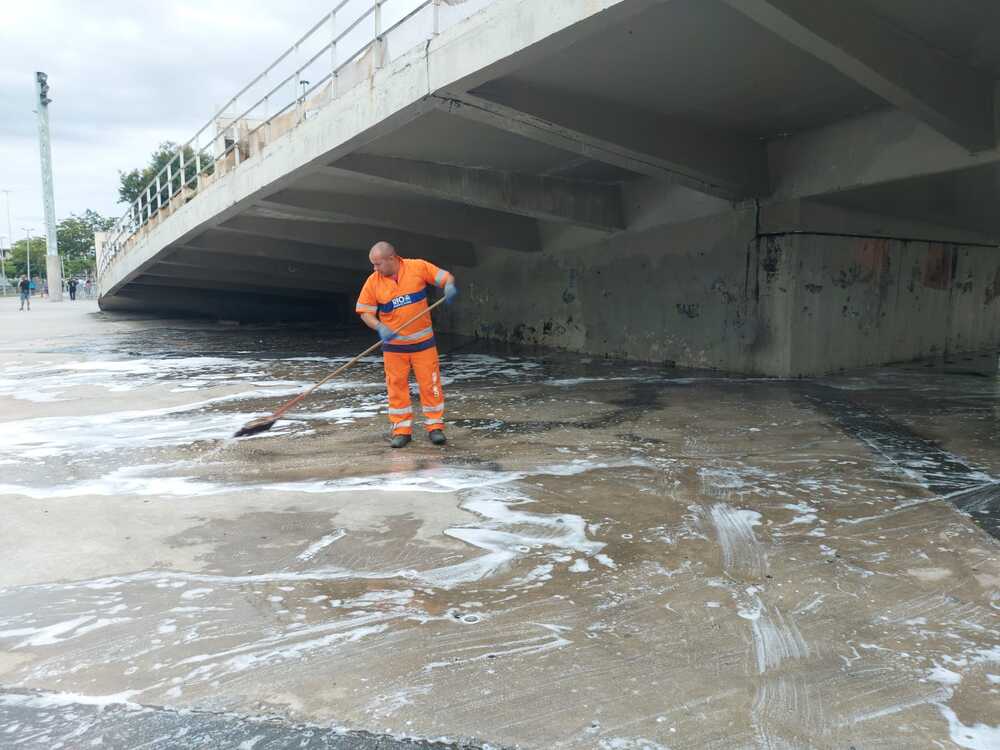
(741, 184)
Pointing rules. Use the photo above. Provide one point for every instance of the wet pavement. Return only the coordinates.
(605, 555)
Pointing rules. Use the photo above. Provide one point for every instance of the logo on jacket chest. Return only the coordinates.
(403, 299)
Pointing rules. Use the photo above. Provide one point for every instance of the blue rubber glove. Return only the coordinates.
(384, 333)
(450, 292)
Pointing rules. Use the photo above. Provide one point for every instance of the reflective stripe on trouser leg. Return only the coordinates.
(397, 380)
(425, 367)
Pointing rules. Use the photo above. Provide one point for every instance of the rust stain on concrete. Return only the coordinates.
(873, 256)
(993, 290)
(938, 266)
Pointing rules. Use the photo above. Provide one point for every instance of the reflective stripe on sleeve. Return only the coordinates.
(365, 308)
(441, 276)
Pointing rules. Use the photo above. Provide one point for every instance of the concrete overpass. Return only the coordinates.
(781, 187)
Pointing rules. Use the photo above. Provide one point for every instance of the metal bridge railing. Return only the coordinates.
(306, 76)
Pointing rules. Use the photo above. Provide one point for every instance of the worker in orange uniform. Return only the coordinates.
(396, 291)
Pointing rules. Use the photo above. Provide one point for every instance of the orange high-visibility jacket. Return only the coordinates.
(397, 301)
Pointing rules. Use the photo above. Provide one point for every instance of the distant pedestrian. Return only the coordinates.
(72, 289)
(88, 288)
(45, 288)
(24, 290)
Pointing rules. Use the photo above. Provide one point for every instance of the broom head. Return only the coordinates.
(261, 424)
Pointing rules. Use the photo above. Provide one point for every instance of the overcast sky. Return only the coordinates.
(124, 76)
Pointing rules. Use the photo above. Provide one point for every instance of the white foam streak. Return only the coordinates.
(973, 736)
(776, 639)
(46, 636)
(447, 480)
(503, 533)
(552, 639)
(63, 700)
(124, 481)
(740, 548)
(318, 546)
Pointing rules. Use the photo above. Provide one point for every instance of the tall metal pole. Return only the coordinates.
(53, 269)
(27, 254)
(10, 241)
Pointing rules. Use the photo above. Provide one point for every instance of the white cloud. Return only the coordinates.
(124, 76)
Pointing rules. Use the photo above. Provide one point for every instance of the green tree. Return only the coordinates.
(76, 241)
(17, 259)
(75, 235)
(133, 185)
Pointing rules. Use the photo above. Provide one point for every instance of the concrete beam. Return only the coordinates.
(952, 98)
(200, 257)
(875, 148)
(816, 217)
(479, 225)
(149, 280)
(357, 237)
(587, 204)
(251, 279)
(520, 35)
(269, 248)
(725, 166)
(227, 304)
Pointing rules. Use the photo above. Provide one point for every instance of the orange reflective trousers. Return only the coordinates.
(397, 379)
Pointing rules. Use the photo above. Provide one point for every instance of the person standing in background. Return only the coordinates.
(24, 291)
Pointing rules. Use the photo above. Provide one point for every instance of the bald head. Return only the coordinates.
(384, 259)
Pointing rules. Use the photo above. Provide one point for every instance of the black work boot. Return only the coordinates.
(437, 437)
(399, 441)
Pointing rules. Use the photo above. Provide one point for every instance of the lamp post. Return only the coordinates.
(3, 264)
(27, 237)
(53, 267)
(10, 239)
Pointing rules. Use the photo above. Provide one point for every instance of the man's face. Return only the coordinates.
(384, 262)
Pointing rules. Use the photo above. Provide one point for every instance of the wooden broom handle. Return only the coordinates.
(283, 409)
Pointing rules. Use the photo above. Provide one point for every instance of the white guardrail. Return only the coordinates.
(307, 76)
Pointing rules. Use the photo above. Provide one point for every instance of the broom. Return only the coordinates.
(261, 424)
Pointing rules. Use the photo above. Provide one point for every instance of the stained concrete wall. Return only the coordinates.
(711, 292)
(864, 301)
(689, 293)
